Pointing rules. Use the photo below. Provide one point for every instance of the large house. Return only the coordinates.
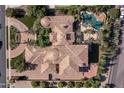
(64, 60)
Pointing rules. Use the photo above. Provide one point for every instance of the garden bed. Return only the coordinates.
(14, 37)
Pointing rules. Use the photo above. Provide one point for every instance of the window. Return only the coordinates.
(68, 36)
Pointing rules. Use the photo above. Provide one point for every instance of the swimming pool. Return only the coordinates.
(90, 19)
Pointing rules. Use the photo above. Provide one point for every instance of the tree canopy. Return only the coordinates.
(70, 84)
(60, 84)
(9, 12)
(13, 12)
(113, 14)
(78, 84)
(34, 84)
(43, 37)
(43, 84)
(36, 11)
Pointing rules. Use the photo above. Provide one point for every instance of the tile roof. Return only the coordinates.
(67, 57)
(63, 59)
(61, 26)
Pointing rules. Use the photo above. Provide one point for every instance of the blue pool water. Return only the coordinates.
(91, 19)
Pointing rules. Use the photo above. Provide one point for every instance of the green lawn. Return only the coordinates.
(28, 21)
(18, 63)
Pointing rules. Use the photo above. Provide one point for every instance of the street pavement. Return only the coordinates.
(117, 71)
(3, 49)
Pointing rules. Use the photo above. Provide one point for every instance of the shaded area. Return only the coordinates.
(93, 53)
(15, 12)
(78, 37)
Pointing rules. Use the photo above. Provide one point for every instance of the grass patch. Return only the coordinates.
(28, 21)
(18, 63)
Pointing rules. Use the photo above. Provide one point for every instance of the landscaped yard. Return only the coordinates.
(18, 63)
(43, 37)
(28, 21)
(13, 37)
(40, 84)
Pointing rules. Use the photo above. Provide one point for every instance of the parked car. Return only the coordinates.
(1, 44)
